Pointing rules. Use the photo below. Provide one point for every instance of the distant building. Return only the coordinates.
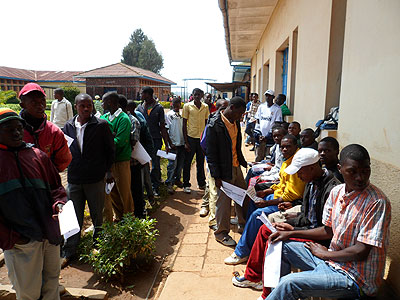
(14, 79)
(126, 80)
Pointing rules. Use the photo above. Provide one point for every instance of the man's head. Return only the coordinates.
(235, 109)
(33, 100)
(59, 94)
(84, 106)
(207, 98)
(306, 164)
(122, 102)
(254, 97)
(278, 133)
(355, 166)
(280, 99)
(269, 97)
(147, 94)
(294, 128)
(288, 146)
(222, 104)
(176, 104)
(11, 128)
(131, 106)
(328, 149)
(97, 97)
(197, 94)
(111, 102)
(307, 137)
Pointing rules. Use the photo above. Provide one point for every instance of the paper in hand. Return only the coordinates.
(140, 154)
(263, 218)
(237, 194)
(251, 192)
(170, 156)
(68, 222)
(272, 264)
(69, 140)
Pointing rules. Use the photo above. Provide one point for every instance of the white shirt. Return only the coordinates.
(80, 131)
(61, 112)
(174, 123)
(114, 115)
(267, 116)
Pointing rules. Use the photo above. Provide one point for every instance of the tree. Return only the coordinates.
(141, 52)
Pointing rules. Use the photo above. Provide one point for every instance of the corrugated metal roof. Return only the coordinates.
(32, 75)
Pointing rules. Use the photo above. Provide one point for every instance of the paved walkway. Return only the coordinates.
(198, 269)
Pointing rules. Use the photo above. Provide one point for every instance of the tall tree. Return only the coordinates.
(141, 52)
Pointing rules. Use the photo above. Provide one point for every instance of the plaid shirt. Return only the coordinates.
(364, 217)
(253, 109)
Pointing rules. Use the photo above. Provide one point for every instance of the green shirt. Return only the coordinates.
(285, 110)
(121, 127)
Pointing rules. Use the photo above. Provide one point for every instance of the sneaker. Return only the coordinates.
(179, 184)
(244, 283)
(156, 193)
(204, 212)
(187, 190)
(202, 187)
(260, 298)
(213, 227)
(234, 259)
(170, 189)
(227, 241)
(64, 261)
(234, 221)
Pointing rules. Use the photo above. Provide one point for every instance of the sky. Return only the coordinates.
(73, 35)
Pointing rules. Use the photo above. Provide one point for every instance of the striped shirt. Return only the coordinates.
(364, 217)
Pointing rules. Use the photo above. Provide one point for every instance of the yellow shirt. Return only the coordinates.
(290, 187)
(233, 131)
(196, 118)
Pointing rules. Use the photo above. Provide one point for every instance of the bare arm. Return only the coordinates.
(165, 136)
(357, 252)
(185, 136)
(316, 234)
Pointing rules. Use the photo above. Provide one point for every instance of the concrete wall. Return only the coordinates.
(369, 104)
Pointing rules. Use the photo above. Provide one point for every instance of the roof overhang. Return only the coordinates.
(244, 23)
(227, 86)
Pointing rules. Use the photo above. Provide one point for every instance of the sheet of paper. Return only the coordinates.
(253, 181)
(171, 156)
(251, 192)
(263, 218)
(237, 194)
(69, 140)
(140, 154)
(260, 167)
(272, 265)
(68, 222)
(109, 187)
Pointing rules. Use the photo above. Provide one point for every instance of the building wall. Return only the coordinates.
(369, 104)
(49, 87)
(12, 84)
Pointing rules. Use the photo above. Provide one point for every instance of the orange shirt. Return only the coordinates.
(233, 131)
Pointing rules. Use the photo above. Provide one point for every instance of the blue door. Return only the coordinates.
(285, 71)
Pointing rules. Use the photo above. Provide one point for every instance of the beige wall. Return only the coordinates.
(369, 103)
(49, 87)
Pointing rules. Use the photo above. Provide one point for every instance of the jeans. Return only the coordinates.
(155, 173)
(195, 148)
(318, 279)
(174, 168)
(253, 224)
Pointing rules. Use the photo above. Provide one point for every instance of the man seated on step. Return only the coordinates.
(356, 218)
(319, 183)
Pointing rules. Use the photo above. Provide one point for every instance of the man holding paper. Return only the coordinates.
(224, 158)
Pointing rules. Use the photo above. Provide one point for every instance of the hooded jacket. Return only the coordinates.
(219, 148)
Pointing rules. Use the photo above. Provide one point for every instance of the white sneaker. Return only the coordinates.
(260, 298)
(233, 259)
(187, 190)
(244, 283)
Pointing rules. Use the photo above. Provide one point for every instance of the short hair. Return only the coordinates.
(283, 96)
(295, 122)
(237, 102)
(290, 137)
(219, 103)
(309, 131)
(197, 90)
(122, 101)
(280, 128)
(114, 97)
(176, 100)
(82, 96)
(355, 152)
(148, 90)
(59, 91)
(332, 141)
(131, 103)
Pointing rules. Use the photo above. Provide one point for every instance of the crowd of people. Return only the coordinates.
(334, 224)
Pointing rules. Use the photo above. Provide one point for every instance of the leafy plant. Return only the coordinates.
(9, 97)
(119, 245)
(70, 92)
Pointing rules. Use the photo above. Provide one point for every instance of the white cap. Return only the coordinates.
(303, 157)
(269, 92)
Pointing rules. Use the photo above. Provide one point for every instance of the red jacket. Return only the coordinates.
(50, 139)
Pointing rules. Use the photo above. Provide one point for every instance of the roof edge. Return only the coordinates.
(223, 7)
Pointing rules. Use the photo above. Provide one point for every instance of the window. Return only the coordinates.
(285, 70)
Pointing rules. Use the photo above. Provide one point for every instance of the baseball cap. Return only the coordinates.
(7, 114)
(29, 87)
(97, 97)
(303, 157)
(269, 92)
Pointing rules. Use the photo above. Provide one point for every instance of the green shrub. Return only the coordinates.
(9, 97)
(70, 92)
(167, 104)
(15, 107)
(119, 245)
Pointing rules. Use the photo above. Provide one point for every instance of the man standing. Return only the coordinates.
(267, 114)
(195, 115)
(92, 156)
(224, 158)
(61, 109)
(154, 114)
(250, 120)
(120, 199)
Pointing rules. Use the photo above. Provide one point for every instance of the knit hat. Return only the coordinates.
(7, 114)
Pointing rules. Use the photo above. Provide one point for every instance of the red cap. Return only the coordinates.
(29, 87)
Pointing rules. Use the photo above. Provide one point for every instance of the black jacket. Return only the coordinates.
(97, 155)
(324, 185)
(219, 148)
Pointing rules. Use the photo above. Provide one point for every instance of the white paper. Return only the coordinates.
(263, 218)
(109, 187)
(171, 156)
(253, 181)
(140, 154)
(251, 192)
(237, 194)
(68, 222)
(272, 264)
(260, 167)
(69, 140)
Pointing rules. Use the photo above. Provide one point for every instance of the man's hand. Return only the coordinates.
(109, 177)
(58, 208)
(279, 236)
(173, 147)
(317, 249)
(261, 138)
(261, 204)
(283, 226)
(284, 205)
(218, 182)
(187, 147)
(264, 193)
(167, 149)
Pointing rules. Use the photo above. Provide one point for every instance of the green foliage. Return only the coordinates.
(70, 92)
(119, 245)
(167, 104)
(141, 52)
(9, 97)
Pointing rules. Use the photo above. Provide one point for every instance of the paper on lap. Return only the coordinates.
(263, 218)
(272, 265)
(251, 192)
(237, 194)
